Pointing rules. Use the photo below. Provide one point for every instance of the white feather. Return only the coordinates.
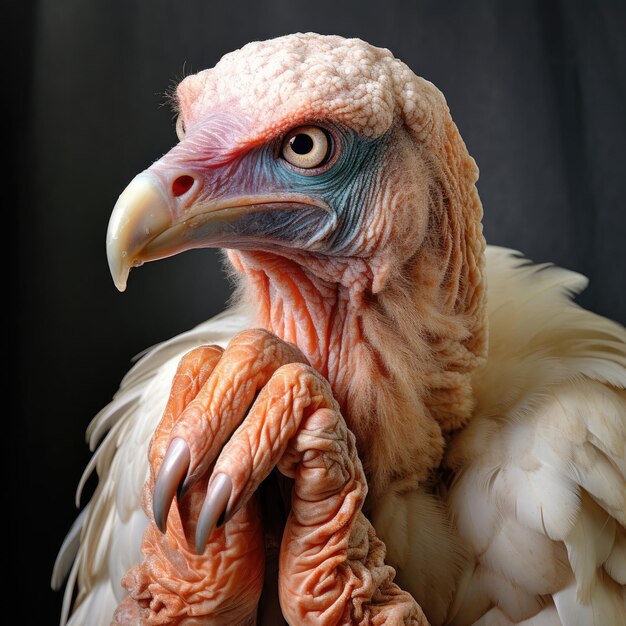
(114, 521)
(544, 453)
(615, 564)
(515, 602)
(526, 559)
(67, 552)
(589, 544)
(493, 617)
(547, 616)
(416, 529)
(606, 606)
(95, 609)
(473, 599)
(479, 520)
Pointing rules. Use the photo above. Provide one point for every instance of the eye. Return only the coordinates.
(180, 128)
(307, 147)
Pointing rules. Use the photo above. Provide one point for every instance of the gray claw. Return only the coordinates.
(171, 474)
(214, 505)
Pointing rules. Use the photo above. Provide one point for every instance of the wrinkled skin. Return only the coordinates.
(332, 568)
(371, 264)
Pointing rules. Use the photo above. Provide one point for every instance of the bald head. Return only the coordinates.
(393, 177)
(282, 81)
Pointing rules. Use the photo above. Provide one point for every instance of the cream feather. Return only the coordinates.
(416, 529)
(543, 456)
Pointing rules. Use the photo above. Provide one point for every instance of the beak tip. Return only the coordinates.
(121, 286)
(120, 278)
(118, 268)
(141, 210)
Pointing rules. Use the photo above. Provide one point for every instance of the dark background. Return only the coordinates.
(538, 90)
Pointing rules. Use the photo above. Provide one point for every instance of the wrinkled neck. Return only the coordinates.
(398, 366)
(307, 308)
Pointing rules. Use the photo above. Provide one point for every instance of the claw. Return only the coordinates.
(171, 474)
(214, 505)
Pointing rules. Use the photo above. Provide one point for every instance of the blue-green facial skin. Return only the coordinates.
(348, 186)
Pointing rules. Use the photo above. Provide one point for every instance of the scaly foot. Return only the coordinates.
(231, 418)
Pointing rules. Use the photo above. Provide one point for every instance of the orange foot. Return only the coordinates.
(331, 564)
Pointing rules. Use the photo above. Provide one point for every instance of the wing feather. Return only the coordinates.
(540, 492)
(112, 524)
(615, 564)
(67, 552)
(589, 544)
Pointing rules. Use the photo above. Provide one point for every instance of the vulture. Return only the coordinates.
(393, 423)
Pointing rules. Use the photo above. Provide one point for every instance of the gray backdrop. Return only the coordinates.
(537, 89)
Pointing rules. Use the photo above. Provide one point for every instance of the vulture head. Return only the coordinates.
(345, 197)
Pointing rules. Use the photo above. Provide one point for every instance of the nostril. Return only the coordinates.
(182, 185)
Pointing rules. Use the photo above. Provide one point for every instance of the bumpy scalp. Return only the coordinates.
(356, 83)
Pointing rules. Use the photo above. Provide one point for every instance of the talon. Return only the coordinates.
(214, 505)
(171, 474)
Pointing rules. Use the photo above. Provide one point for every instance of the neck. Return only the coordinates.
(387, 356)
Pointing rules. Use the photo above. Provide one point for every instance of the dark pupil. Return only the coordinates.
(301, 143)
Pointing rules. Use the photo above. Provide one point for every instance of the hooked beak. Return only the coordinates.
(150, 221)
(139, 215)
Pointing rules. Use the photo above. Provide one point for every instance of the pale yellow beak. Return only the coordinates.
(141, 213)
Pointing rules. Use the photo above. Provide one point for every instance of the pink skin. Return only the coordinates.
(363, 364)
